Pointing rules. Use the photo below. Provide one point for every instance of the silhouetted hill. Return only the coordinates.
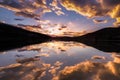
(112, 34)
(11, 32)
(11, 37)
(106, 34)
(107, 39)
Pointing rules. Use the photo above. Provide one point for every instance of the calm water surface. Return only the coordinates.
(59, 60)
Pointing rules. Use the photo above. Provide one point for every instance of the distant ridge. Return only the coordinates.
(106, 34)
(12, 37)
(107, 39)
(9, 32)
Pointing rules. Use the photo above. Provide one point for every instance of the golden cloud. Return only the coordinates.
(94, 8)
(85, 8)
(115, 13)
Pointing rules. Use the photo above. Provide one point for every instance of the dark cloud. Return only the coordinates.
(26, 8)
(99, 21)
(110, 2)
(27, 60)
(29, 15)
(23, 25)
(18, 19)
(37, 18)
(11, 3)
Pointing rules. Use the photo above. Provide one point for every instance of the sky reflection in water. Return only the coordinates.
(58, 60)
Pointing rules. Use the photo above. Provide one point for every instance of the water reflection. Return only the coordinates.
(24, 70)
(59, 60)
(89, 70)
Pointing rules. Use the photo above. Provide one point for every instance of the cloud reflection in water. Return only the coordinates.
(89, 70)
(59, 60)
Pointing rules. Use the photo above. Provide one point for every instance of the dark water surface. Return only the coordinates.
(59, 60)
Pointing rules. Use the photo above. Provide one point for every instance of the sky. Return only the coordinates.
(61, 17)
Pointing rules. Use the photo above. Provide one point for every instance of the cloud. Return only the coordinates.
(52, 29)
(31, 8)
(56, 8)
(89, 8)
(2, 21)
(94, 8)
(99, 21)
(24, 14)
(27, 60)
(115, 13)
(109, 3)
(98, 57)
(43, 55)
(18, 19)
(26, 8)
(59, 12)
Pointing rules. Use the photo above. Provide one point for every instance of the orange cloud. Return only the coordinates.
(94, 8)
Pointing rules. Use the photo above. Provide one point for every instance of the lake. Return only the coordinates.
(59, 60)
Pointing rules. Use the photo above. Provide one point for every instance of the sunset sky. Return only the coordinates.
(61, 17)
